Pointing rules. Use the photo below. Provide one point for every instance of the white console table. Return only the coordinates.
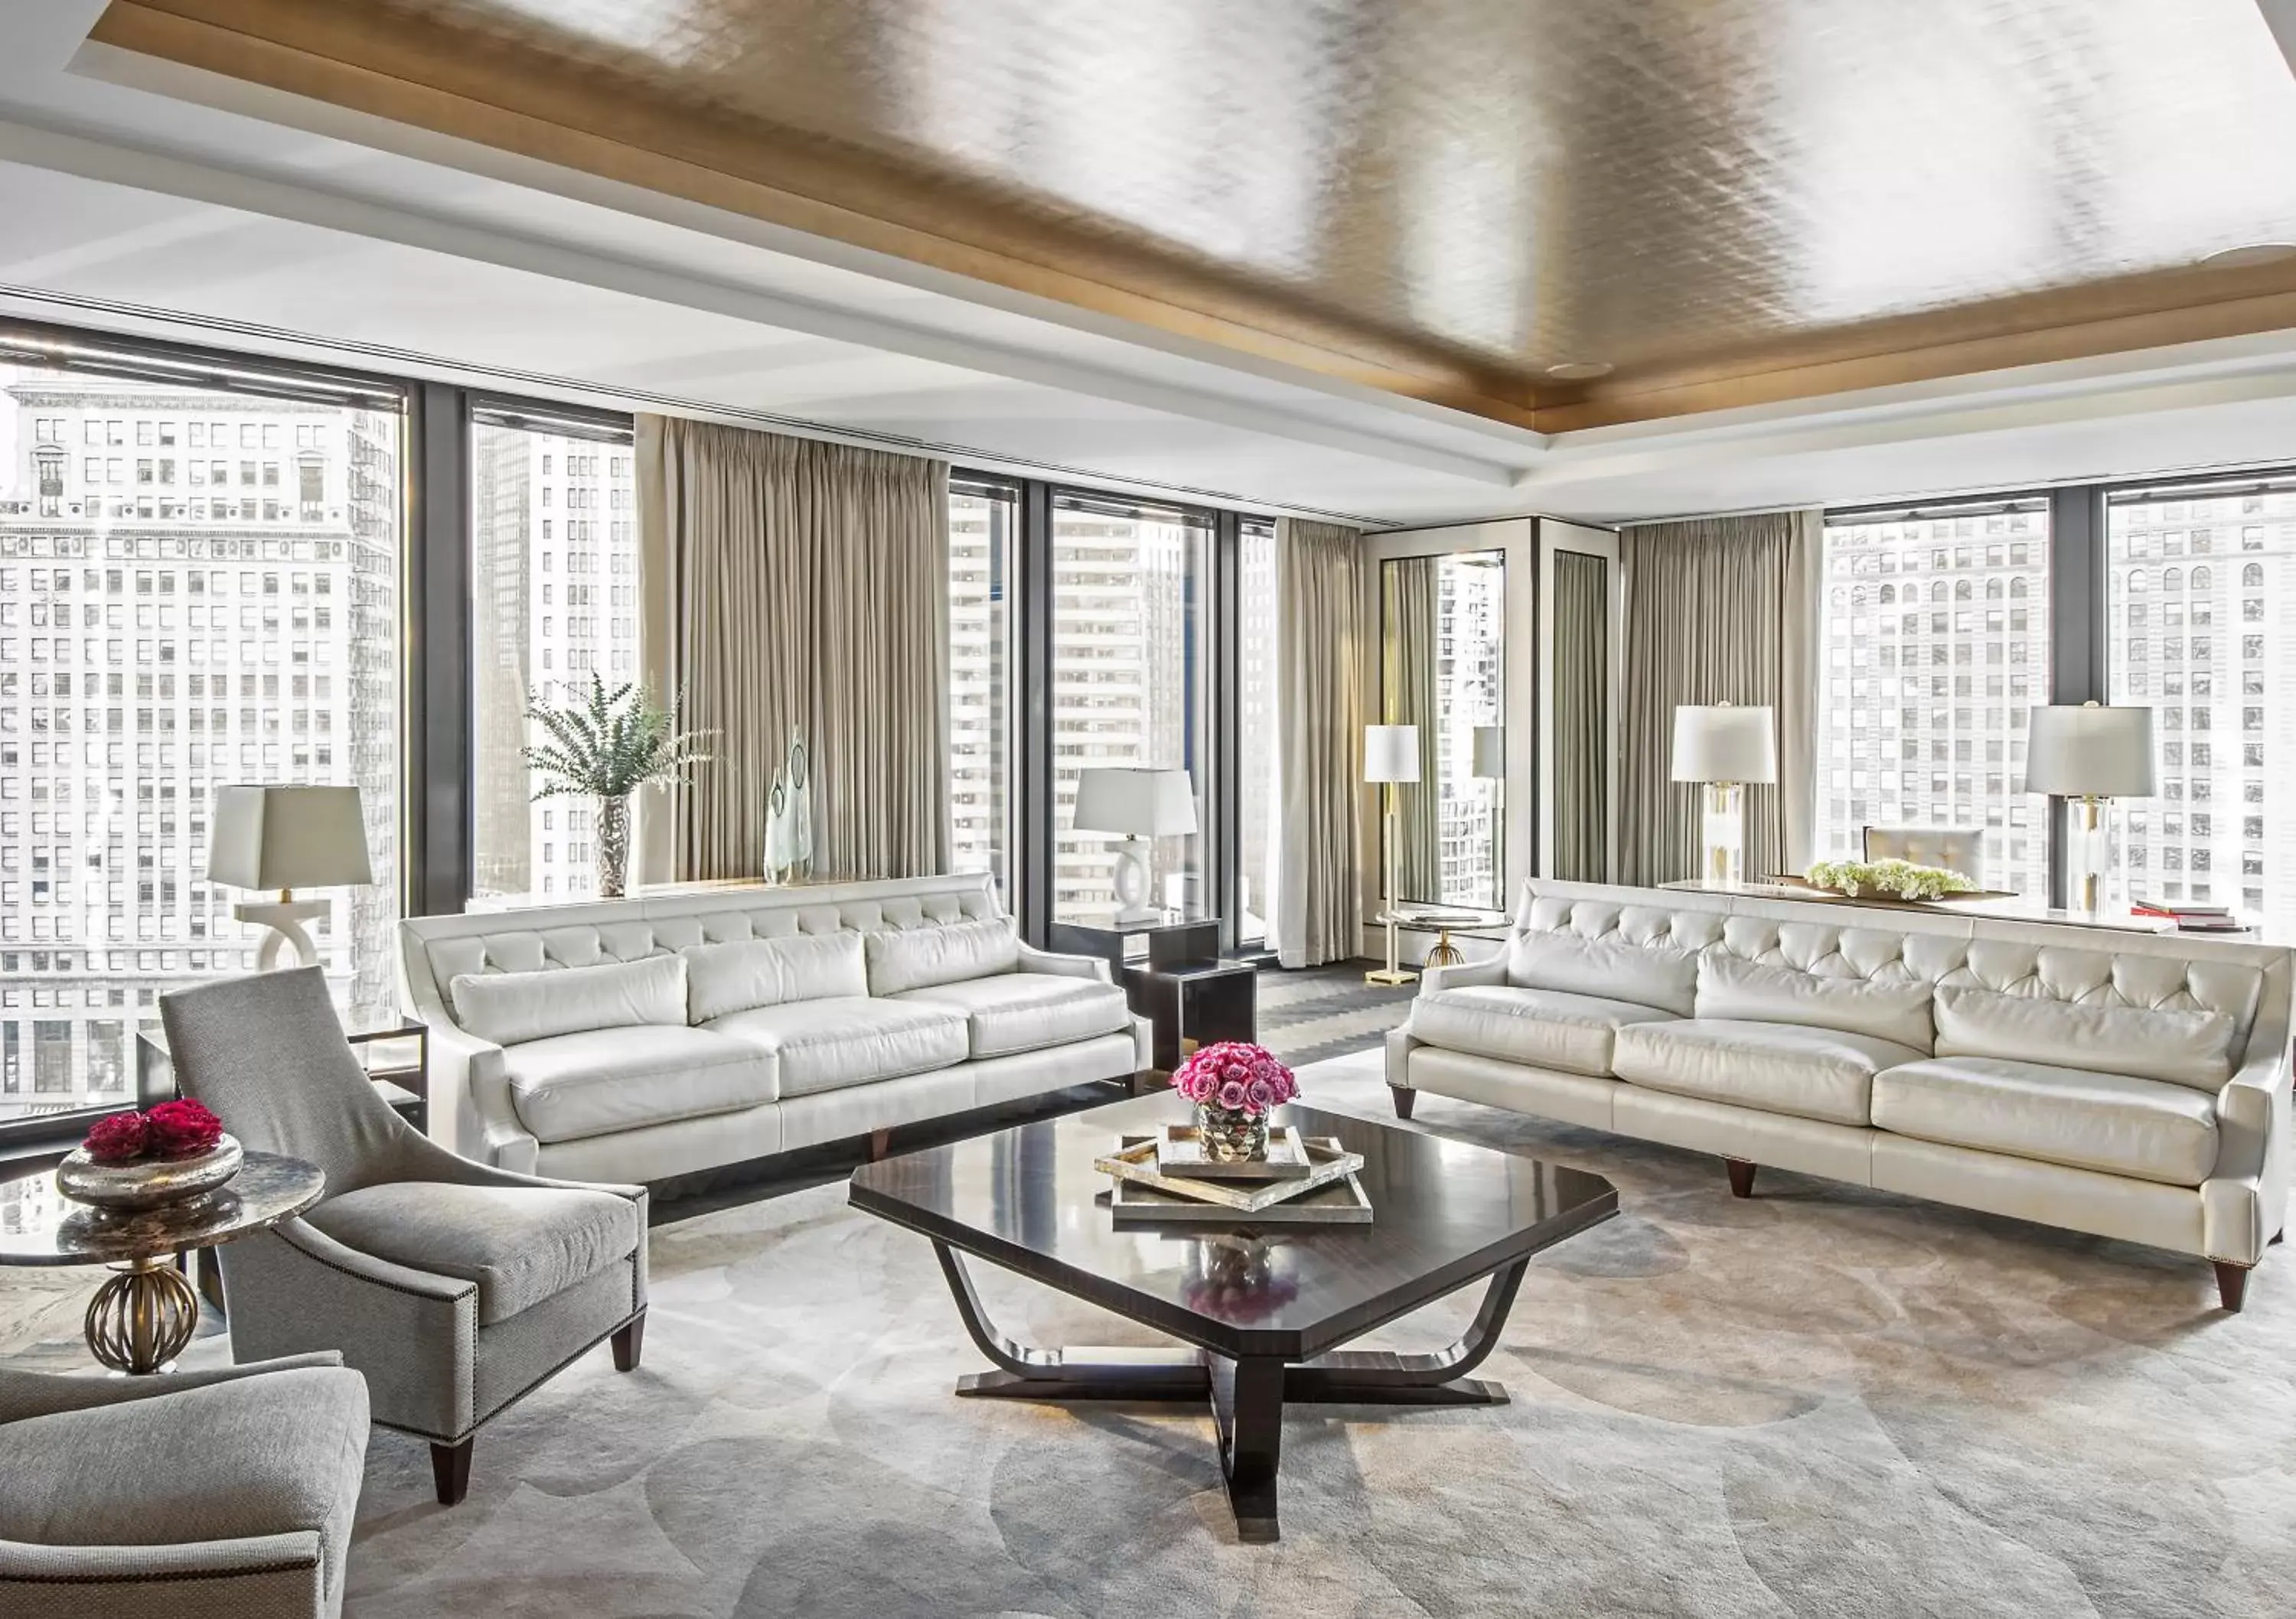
(2114, 919)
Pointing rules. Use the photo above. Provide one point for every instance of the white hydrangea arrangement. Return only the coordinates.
(1890, 878)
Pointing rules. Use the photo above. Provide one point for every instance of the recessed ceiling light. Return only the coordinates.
(1579, 371)
(2250, 253)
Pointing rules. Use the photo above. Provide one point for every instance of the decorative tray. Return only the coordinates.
(1340, 1202)
(1787, 881)
(1142, 1185)
(1180, 1151)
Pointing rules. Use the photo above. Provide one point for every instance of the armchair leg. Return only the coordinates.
(1742, 1177)
(2232, 1285)
(630, 1342)
(1405, 1099)
(450, 1470)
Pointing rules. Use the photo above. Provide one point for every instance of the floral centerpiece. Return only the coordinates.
(133, 1161)
(1889, 878)
(1233, 1085)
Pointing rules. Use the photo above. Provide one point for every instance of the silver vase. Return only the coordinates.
(147, 1182)
(1231, 1135)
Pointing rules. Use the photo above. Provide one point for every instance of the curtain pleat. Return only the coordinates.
(1717, 610)
(1582, 719)
(1316, 913)
(794, 588)
(1407, 590)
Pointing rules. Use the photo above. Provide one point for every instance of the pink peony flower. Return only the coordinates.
(121, 1139)
(183, 1129)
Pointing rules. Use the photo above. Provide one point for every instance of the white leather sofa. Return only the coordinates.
(2135, 1086)
(633, 1040)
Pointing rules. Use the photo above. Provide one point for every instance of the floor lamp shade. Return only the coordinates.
(288, 838)
(1390, 753)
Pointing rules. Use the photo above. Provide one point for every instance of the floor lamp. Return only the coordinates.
(1390, 758)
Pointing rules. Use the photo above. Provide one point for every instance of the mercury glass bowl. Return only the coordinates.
(147, 1182)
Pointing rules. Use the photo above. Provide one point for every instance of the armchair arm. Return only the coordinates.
(2244, 1201)
(1434, 978)
(264, 1574)
(1033, 959)
(35, 1394)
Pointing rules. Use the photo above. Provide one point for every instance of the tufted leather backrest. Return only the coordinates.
(435, 949)
(2076, 966)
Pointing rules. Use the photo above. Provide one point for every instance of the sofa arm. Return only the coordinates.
(2244, 1201)
(1033, 959)
(264, 1574)
(1434, 978)
(470, 1109)
(37, 1393)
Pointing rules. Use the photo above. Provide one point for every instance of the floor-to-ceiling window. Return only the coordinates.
(1935, 639)
(554, 603)
(200, 585)
(2201, 623)
(1255, 722)
(983, 518)
(1128, 683)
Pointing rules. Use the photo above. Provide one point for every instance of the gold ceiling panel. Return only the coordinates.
(1726, 201)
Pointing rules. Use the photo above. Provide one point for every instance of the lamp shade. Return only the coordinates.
(2090, 752)
(1134, 803)
(1390, 753)
(1725, 742)
(1490, 752)
(288, 838)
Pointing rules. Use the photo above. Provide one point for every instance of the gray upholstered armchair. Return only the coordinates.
(456, 1288)
(223, 1494)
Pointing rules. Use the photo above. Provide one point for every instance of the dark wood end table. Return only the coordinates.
(1260, 1313)
(1201, 1002)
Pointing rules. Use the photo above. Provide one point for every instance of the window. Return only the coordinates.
(1129, 684)
(1255, 722)
(983, 518)
(518, 650)
(2221, 858)
(1905, 699)
(120, 784)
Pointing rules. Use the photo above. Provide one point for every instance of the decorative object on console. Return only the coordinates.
(1134, 804)
(1956, 848)
(788, 815)
(1891, 878)
(1725, 747)
(1390, 757)
(136, 1161)
(287, 837)
(605, 747)
(1233, 1085)
(2090, 753)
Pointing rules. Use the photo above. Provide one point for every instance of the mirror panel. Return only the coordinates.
(1443, 638)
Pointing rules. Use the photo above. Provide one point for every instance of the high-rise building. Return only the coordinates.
(196, 588)
(979, 770)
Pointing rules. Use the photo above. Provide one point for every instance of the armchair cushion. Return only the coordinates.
(1028, 1011)
(520, 1244)
(248, 1457)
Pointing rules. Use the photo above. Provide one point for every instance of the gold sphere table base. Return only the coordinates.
(141, 1318)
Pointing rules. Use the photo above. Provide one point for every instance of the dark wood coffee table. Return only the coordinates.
(1260, 1310)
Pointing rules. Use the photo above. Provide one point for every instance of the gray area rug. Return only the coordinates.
(1823, 1401)
(1310, 1014)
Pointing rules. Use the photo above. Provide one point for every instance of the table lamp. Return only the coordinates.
(1391, 756)
(2089, 753)
(1723, 747)
(1134, 804)
(287, 837)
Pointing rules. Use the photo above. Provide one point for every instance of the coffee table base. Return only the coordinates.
(1247, 1394)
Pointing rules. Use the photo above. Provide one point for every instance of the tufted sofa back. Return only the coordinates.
(434, 950)
(2079, 967)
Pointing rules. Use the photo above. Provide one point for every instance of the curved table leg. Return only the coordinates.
(1081, 1373)
(1379, 1376)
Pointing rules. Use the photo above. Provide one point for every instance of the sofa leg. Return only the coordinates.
(880, 1142)
(450, 1470)
(1742, 1177)
(2232, 1284)
(629, 1343)
(1405, 1099)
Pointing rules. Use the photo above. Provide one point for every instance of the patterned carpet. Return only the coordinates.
(1318, 1012)
(1824, 1401)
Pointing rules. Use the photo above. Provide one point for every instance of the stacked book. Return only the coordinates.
(1168, 1177)
(2189, 918)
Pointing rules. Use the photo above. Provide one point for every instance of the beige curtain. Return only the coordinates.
(1717, 610)
(1408, 588)
(1322, 651)
(1582, 717)
(790, 586)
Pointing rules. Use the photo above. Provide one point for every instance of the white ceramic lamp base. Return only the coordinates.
(286, 920)
(1132, 885)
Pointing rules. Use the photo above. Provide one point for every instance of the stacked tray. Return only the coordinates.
(1166, 1178)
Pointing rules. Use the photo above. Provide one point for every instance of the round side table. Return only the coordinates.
(1442, 952)
(145, 1313)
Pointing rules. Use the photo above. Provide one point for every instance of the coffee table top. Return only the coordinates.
(40, 1226)
(1444, 1214)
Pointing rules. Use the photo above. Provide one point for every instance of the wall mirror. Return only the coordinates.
(1442, 640)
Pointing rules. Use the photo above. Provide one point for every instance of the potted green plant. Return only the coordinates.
(606, 747)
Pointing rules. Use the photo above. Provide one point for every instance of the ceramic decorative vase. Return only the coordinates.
(1231, 1135)
(146, 1183)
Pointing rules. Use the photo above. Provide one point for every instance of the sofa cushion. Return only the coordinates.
(2181, 1047)
(594, 1083)
(1543, 1028)
(827, 1045)
(915, 958)
(1777, 1067)
(1028, 1011)
(1896, 1009)
(1607, 968)
(2143, 1128)
(511, 1008)
(520, 1244)
(272, 1454)
(742, 973)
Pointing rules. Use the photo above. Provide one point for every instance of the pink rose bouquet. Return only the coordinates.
(1237, 1076)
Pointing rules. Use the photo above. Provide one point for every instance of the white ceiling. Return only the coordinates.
(140, 196)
